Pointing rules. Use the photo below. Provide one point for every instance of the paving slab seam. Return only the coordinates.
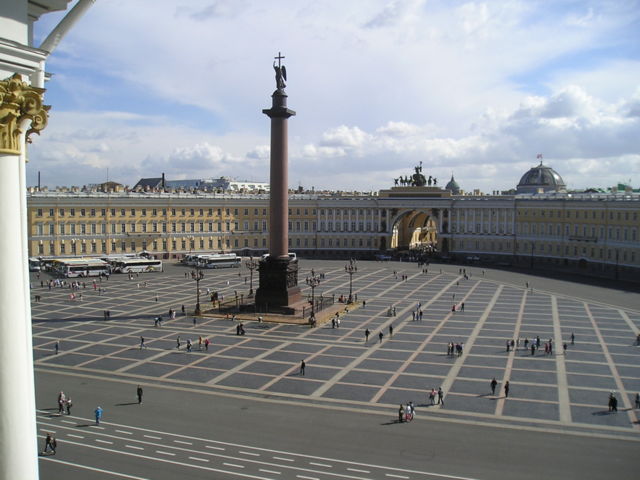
(320, 391)
(614, 372)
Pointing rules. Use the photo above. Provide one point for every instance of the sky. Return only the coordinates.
(472, 89)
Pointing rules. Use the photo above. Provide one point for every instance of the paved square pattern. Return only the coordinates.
(568, 389)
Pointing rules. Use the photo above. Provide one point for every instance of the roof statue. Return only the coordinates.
(281, 72)
(415, 180)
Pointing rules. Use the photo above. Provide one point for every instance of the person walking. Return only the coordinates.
(142, 345)
(139, 394)
(178, 343)
(390, 331)
(302, 367)
(506, 389)
(49, 443)
(98, 414)
(206, 344)
(68, 404)
(573, 338)
(57, 346)
(366, 335)
(401, 414)
(440, 396)
(494, 383)
(637, 400)
(380, 336)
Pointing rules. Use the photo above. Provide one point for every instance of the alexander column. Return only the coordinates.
(278, 273)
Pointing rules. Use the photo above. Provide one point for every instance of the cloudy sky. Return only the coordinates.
(472, 88)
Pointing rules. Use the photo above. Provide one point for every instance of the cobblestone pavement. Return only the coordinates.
(564, 390)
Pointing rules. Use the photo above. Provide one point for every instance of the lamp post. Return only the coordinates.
(199, 275)
(350, 268)
(251, 265)
(313, 281)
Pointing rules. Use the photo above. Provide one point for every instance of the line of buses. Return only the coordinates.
(95, 267)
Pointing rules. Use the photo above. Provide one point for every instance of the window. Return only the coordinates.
(143, 212)
(133, 212)
(61, 212)
(154, 212)
(82, 212)
(39, 212)
(72, 212)
(51, 212)
(122, 212)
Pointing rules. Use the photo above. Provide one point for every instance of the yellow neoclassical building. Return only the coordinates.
(592, 233)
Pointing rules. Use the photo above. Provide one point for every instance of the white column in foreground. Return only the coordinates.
(21, 108)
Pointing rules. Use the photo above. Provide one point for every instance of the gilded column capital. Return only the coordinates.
(19, 101)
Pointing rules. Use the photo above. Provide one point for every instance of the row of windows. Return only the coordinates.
(164, 227)
(587, 232)
(584, 214)
(184, 244)
(154, 227)
(92, 212)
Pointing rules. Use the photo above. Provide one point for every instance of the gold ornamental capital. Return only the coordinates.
(19, 101)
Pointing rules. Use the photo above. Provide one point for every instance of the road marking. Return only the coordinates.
(358, 470)
(135, 447)
(152, 436)
(395, 476)
(249, 453)
(199, 459)
(68, 421)
(183, 442)
(233, 465)
(74, 436)
(269, 471)
(564, 402)
(103, 441)
(307, 478)
(86, 467)
(214, 448)
(320, 464)
(125, 432)
(162, 452)
(284, 459)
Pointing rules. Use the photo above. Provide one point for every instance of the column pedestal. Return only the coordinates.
(278, 284)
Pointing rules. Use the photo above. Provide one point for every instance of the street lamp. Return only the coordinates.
(313, 281)
(350, 268)
(251, 265)
(199, 275)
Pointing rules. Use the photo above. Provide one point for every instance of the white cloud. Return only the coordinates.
(477, 87)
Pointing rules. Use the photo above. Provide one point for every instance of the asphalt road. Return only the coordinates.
(234, 437)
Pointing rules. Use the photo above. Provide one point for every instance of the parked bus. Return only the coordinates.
(136, 265)
(219, 260)
(80, 267)
(34, 264)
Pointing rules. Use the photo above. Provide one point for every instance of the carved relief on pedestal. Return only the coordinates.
(19, 101)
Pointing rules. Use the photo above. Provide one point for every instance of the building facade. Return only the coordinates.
(591, 233)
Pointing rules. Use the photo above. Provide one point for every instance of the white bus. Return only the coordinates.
(80, 267)
(34, 264)
(219, 260)
(136, 265)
